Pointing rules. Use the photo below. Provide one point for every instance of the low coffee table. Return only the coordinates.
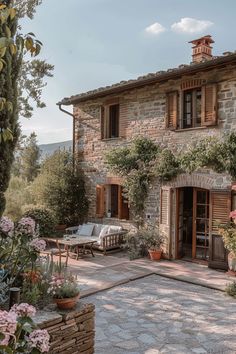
(82, 245)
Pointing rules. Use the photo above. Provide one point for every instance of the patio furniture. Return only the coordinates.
(81, 245)
(55, 251)
(108, 237)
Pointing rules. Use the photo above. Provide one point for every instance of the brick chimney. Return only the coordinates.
(202, 49)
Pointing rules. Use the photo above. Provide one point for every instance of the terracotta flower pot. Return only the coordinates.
(66, 304)
(155, 255)
(232, 262)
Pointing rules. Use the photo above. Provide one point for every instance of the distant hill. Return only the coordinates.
(49, 149)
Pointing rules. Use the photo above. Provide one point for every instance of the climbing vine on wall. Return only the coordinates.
(144, 160)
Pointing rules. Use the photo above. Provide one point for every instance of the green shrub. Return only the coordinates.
(44, 219)
(231, 289)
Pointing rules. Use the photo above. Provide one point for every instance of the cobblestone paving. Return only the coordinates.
(157, 315)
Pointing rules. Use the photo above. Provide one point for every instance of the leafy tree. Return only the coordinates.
(26, 7)
(18, 196)
(29, 158)
(60, 188)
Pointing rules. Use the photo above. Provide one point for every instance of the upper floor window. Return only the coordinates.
(110, 121)
(192, 108)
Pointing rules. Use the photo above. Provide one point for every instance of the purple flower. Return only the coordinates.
(38, 245)
(23, 310)
(6, 225)
(26, 226)
(39, 339)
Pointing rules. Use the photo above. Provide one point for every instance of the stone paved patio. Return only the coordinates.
(159, 315)
(101, 273)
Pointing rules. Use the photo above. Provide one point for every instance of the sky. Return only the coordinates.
(95, 43)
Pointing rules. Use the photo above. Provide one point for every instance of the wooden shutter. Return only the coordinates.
(102, 120)
(220, 206)
(123, 119)
(172, 110)
(164, 206)
(123, 206)
(100, 207)
(209, 105)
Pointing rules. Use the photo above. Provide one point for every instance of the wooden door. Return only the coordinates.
(220, 206)
(200, 240)
(180, 221)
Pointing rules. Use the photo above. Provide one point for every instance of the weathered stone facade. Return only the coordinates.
(144, 110)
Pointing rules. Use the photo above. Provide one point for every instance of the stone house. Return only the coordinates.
(175, 108)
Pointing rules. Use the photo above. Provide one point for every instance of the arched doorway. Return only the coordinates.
(192, 223)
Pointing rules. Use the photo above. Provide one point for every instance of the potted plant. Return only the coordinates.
(152, 240)
(228, 233)
(64, 290)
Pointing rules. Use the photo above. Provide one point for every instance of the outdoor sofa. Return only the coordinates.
(108, 237)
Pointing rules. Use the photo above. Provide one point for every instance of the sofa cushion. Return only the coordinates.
(114, 228)
(104, 231)
(86, 230)
(97, 229)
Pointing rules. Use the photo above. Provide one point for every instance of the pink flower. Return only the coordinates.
(38, 245)
(233, 214)
(6, 225)
(23, 310)
(8, 325)
(39, 339)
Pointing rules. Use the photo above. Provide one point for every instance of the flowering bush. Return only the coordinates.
(18, 333)
(63, 287)
(44, 219)
(19, 250)
(228, 233)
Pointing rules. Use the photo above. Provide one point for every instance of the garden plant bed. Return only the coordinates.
(71, 332)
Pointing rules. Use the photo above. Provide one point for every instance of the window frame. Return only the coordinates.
(105, 120)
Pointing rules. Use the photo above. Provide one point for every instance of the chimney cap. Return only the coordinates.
(202, 39)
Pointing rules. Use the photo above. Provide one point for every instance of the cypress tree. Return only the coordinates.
(12, 48)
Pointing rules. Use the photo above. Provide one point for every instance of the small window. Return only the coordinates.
(114, 121)
(111, 201)
(110, 121)
(192, 108)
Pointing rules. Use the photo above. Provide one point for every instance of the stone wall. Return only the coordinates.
(145, 113)
(71, 332)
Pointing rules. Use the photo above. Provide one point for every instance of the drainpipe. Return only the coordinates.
(72, 115)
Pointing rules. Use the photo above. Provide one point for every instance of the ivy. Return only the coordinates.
(144, 160)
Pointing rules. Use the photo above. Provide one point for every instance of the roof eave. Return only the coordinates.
(222, 61)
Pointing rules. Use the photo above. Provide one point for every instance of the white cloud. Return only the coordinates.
(156, 28)
(191, 25)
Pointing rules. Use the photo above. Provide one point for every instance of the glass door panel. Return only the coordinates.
(201, 222)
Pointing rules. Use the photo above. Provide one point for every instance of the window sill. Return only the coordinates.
(189, 129)
(112, 139)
